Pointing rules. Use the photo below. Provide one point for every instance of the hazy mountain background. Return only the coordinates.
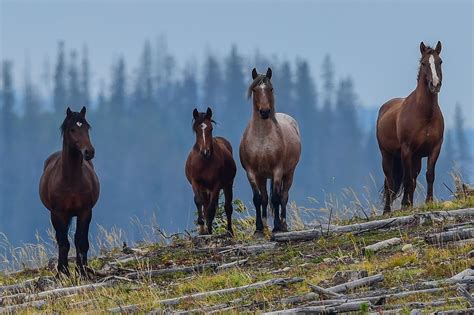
(142, 67)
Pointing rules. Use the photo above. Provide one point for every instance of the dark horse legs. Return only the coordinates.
(430, 171)
(387, 165)
(61, 226)
(408, 181)
(228, 208)
(276, 202)
(211, 209)
(287, 182)
(81, 240)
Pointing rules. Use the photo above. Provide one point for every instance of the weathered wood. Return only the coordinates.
(20, 307)
(256, 285)
(305, 310)
(375, 224)
(133, 308)
(232, 264)
(357, 283)
(40, 283)
(323, 291)
(373, 248)
(465, 294)
(467, 311)
(23, 298)
(166, 271)
(450, 236)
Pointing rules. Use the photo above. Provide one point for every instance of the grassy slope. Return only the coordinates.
(315, 261)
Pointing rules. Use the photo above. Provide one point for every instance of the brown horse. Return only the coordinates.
(210, 167)
(69, 187)
(411, 128)
(270, 149)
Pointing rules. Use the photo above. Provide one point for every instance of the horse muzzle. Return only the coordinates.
(265, 113)
(206, 153)
(434, 89)
(88, 154)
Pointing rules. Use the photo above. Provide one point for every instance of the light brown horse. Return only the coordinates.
(69, 187)
(210, 167)
(270, 149)
(411, 128)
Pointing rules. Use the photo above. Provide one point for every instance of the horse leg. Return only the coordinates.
(407, 200)
(211, 209)
(416, 164)
(81, 240)
(257, 202)
(262, 187)
(287, 182)
(61, 226)
(228, 195)
(199, 201)
(276, 200)
(430, 171)
(389, 194)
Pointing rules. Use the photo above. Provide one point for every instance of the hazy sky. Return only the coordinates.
(376, 42)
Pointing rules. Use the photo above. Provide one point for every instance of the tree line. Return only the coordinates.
(141, 129)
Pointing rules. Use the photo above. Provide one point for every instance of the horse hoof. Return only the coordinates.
(258, 234)
(202, 229)
(230, 233)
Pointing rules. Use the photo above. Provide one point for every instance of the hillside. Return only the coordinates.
(337, 267)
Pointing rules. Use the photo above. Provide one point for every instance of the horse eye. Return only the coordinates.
(73, 130)
(440, 61)
(423, 63)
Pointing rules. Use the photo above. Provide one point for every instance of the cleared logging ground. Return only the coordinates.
(418, 259)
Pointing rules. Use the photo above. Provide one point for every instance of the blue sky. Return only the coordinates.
(376, 42)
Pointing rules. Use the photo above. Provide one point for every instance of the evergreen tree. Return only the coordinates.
(143, 94)
(118, 87)
(74, 92)
(212, 84)
(283, 87)
(60, 91)
(85, 78)
(235, 91)
(463, 154)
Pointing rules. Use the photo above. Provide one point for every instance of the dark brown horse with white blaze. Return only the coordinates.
(411, 128)
(210, 167)
(270, 149)
(69, 187)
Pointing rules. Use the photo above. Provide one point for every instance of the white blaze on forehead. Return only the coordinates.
(434, 74)
(79, 124)
(203, 127)
(263, 86)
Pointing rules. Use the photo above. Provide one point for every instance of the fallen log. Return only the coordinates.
(20, 307)
(323, 291)
(256, 285)
(40, 283)
(381, 245)
(326, 309)
(417, 218)
(232, 264)
(159, 272)
(465, 294)
(467, 311)
(356, 283)
(23, 298)
(450, 236)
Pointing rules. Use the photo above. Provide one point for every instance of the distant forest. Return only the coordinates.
(141, 130)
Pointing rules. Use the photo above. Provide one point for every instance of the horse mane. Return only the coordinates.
(260, 79)
(428, 50)
(72, 119)
(200, 120)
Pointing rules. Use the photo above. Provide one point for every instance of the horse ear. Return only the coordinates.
(422, 48)
(68, 112)
(195, 113)
(209, 113)
(438, 47)
(83, 111)
(269, 73)
(254, 73)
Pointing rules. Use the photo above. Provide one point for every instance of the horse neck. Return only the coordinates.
(263, 127)
(425, 100)
(71, 162)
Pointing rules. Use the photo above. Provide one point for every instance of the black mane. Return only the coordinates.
(260, 79)
(73, 118)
